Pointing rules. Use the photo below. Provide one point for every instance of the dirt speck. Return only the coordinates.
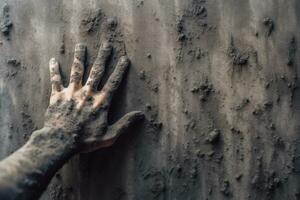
(5, 21)
(112, 23)
(292, 49)
(62, 48)
(238, 57)
(270, 25)
(142, 75)
(243, 104)
(156, 182)
(205, 90)
(225, 188)
(91, 22)
(213, 136)
(13, 62)
(239, 177)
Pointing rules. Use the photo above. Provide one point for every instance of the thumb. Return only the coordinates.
(112, 133)
(121, 126)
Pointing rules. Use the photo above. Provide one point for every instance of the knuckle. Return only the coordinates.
(53, 68)
(53, 73)
(77, 65)
(55, 78)
(75, 77)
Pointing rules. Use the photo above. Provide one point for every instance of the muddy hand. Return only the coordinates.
(80, 109)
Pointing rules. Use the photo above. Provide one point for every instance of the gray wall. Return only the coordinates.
(216, 67)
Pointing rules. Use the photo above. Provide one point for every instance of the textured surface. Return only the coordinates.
(217, 81)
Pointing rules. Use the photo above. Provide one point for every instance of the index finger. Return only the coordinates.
(106, 94)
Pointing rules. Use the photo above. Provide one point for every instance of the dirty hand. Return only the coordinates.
(81, 110)
(75, 121)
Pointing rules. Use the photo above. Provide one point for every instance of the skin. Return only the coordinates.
(75, 122)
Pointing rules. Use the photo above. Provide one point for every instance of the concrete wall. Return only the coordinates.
(217, 80)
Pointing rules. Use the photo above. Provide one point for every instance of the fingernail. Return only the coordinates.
(52, 61)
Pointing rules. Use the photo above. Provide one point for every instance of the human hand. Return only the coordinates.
(81, 110)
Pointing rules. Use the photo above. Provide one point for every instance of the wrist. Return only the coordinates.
(55, 140)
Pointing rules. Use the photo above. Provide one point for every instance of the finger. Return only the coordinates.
(55, 77)
(77, 66)
(106, 94)
(123, 124)
(113, 132)
(98, 68)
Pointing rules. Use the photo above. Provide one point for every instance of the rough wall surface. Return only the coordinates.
(217, 80)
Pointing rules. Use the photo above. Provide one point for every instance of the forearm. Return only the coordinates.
(26, 173)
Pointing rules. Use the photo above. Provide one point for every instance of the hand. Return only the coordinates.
(81, 110)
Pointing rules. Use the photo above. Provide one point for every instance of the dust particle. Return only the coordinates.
(292, 51)
(6, 24)
(270, 25)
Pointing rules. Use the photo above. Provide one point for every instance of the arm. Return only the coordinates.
(75, 121)
(26, 173)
